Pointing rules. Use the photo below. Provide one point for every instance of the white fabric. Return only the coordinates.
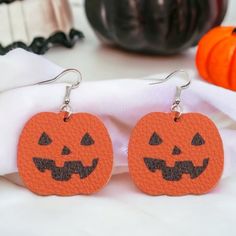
(119, 209)
(119, 103)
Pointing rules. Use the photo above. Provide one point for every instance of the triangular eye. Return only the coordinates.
(87, 140)
(198, 140)
(44, 139)
(155, 139)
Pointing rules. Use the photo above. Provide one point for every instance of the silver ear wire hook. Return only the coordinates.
(176, 106)
(65, 107)
(63, 73)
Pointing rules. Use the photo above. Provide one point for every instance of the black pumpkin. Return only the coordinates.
(154, 26)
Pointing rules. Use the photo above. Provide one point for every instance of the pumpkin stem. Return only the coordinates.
(234, 31)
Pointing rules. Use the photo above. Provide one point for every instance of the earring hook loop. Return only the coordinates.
(63, 73)
(176, 106)
(65, 107)
(171, 75)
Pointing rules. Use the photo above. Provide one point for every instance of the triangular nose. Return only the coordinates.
(65, 151)
(176, 151)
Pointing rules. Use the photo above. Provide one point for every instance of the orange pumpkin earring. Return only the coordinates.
(63, 153)
(175, 153)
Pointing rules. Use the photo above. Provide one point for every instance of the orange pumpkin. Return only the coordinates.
(169, 157)
(64, 157)
(216, 57)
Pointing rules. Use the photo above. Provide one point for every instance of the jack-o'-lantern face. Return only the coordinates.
(64, 157)
(175, 157)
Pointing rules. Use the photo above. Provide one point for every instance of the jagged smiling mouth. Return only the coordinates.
(64, 173)
(175, 173)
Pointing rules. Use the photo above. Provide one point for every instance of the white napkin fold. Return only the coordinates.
(119, 103)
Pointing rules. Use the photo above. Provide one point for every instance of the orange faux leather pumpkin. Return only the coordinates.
(216, 57)
(168, 157)
(64, 157)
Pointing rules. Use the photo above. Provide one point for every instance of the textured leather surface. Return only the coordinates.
(158, 169)
(44, 167)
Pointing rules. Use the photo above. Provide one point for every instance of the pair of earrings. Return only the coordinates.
(169, 153)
